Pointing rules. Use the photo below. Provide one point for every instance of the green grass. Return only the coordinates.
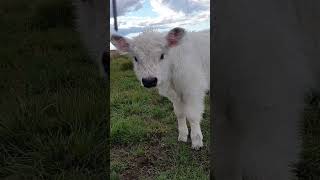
(144, 132)
(52, 101)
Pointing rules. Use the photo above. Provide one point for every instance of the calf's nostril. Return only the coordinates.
(153, 80)
(149, 82)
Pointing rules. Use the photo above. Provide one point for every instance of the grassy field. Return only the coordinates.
(144, 132)
(52, 102)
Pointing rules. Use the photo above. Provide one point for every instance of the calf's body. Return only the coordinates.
(178, 65)
(188, 81)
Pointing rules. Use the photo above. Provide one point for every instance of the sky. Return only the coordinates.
(136, 15)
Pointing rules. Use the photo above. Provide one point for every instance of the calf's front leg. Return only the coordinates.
(194, 108)
(182, 122)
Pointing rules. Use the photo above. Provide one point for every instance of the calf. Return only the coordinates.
(178, 64)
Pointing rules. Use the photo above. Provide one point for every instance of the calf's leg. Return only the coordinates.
(182, 123)
(194, 107)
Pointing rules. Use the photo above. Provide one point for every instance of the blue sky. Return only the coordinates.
(136, 15)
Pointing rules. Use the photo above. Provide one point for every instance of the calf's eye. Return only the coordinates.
(162, 56)
(135, 58)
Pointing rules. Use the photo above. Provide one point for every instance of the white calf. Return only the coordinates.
(178, 64)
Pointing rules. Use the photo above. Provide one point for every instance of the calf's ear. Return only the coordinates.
(175, 36)
(121, 43)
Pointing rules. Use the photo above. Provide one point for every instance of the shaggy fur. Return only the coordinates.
(183, 74)
(91, 22)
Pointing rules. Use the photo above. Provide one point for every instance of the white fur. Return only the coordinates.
(183, 75)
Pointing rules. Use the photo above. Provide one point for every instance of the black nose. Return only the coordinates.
(149, 82)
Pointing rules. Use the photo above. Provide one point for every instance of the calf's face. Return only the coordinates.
(149, 52)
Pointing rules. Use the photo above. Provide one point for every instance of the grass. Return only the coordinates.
(309, 166)
(52, 101)
(144, 132)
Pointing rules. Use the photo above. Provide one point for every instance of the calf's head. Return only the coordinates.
(149, 53)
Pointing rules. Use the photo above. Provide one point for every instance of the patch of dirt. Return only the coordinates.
(154, 159)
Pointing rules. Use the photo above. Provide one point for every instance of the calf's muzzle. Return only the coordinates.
(149, 82)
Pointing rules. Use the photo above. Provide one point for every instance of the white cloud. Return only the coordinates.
(112, 47)
(189, 14)
(172, 7)
(166, 22)
(131, 35)
(125, 6)
(163, 10)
